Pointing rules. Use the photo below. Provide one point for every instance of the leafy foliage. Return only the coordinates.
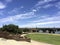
(26, 30)
(11, 29)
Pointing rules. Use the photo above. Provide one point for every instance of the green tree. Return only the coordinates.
(26, 30)
(11, 28)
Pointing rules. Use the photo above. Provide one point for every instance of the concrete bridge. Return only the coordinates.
(45, 30)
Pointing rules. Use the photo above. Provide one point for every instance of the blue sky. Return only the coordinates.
(30, 13)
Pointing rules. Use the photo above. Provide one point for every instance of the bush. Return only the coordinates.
(11, 29)
(25, 30)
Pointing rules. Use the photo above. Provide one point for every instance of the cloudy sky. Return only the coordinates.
(30, 13)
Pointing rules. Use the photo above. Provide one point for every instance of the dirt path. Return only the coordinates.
(13, 42)
(56, 34)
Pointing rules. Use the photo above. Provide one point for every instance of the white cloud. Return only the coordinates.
(50, 22)
(41, 2)
(17, 17)
(58, 13)
(54, 18)
(47, 6)
(40, 24)
(8, 1)
(22, 7)
(2, 5)
(15, 10)
(57, 5)
(49, 0)
(34, 10)
(47, 20)
(1, 12)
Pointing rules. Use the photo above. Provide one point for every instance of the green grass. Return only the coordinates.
(47, 38)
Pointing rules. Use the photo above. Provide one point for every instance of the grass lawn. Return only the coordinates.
(47, 38)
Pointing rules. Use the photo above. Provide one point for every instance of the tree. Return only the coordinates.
(11, 28)
(19, 31)
(26, 30)
(0, 29)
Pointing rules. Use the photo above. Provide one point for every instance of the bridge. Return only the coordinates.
(49, 30)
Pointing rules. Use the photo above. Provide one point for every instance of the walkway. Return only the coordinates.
(13, 42)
